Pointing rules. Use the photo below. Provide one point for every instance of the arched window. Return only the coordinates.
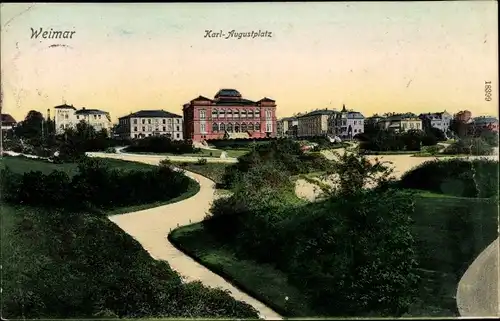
(229, 114)
(243, 114)
(257, 113)
(250, 114)
(215, 127)
(236, 114)
(257, 127)
(222, 127)
(214, 113)
(236, 128)
(243, 127)
(250, 127)
(222, 113)
(230, 127)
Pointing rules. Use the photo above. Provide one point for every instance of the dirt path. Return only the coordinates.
(478, 290)
(150, 227)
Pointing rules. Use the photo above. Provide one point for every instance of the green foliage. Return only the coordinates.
(386, 140)
(457, 177)
(78, 265)
(161, 144)
(238, 143)
(285, 153)
(469, 146)
(95, 185)
(201, 161)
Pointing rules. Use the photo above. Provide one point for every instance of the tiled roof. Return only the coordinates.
(318, 113)
(64, 106)
(8, 119)
(90, 111)
(227, 93)
(152, 114)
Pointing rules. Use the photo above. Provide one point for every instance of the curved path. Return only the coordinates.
(478, 290)
(150, 227)
(175, 158)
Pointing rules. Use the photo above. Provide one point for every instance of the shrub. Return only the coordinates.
(201, 161)
(111, 150)
(456, 177)
(162, 144)
(469, 146)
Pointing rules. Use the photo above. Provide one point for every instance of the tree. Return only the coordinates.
(32, 126)
(458, 127)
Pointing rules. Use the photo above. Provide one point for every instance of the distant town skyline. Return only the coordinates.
(373, 57)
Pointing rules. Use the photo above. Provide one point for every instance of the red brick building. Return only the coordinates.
(229, 114)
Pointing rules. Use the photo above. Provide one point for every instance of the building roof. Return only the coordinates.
(85, 111)
(65, 106)
(265, 99)
(485, 120)
(288, 118)
(7, 119)
(398, 117)
(152, 114)
(319, 113)
(355, 115)
(227, 93)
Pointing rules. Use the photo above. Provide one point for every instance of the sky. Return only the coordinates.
(374, 57)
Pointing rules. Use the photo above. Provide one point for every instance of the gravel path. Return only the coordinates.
(150, 227)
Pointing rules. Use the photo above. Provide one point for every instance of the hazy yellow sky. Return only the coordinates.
(374, 57)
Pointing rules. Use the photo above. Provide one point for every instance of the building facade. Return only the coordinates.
(483, 123)
(67, 116)
(314, 123)
(287, 127)
(146, 123)
(8, 122)
(346, 123)
(440, 120)
(228, 115)
(401, 122)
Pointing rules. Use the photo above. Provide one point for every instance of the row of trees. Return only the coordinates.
(412, 140)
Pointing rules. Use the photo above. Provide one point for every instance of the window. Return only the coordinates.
(156, 120)
(229, 128)
(66, 116)
(178, 128)
(243, 127)
(203, 114)
(202, 128)
(215, 127)
(229, 114)
(164, 121)
(236, 114)
(222, 127)
(143, 128)
(178, 135)
(268, 128)
(135, 128)
(164, 128)
(257, 127)
(214, 113)
(250, 127)
(243, 114)
(178, 122)
(77, 117)
(95, 116)
(99, 117)
(250, 114)
(222, 113)
(170, 120)
(257, 113)
(143, 121)
(149, 121)
(157, 129)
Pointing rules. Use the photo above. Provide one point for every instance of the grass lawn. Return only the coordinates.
(213, 171)
(23, 164)
(440, 269)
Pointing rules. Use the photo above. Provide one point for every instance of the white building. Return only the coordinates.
(346, 124)
(440, 120)
(67, 116)
(146, 123)
(287, 127)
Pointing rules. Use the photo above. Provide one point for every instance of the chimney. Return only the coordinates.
(48, 113)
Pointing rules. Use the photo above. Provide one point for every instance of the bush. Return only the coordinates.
(161, 144)
(456, 177)
(111, 150)
(201, 161)
(95, 185)
(469, 146)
